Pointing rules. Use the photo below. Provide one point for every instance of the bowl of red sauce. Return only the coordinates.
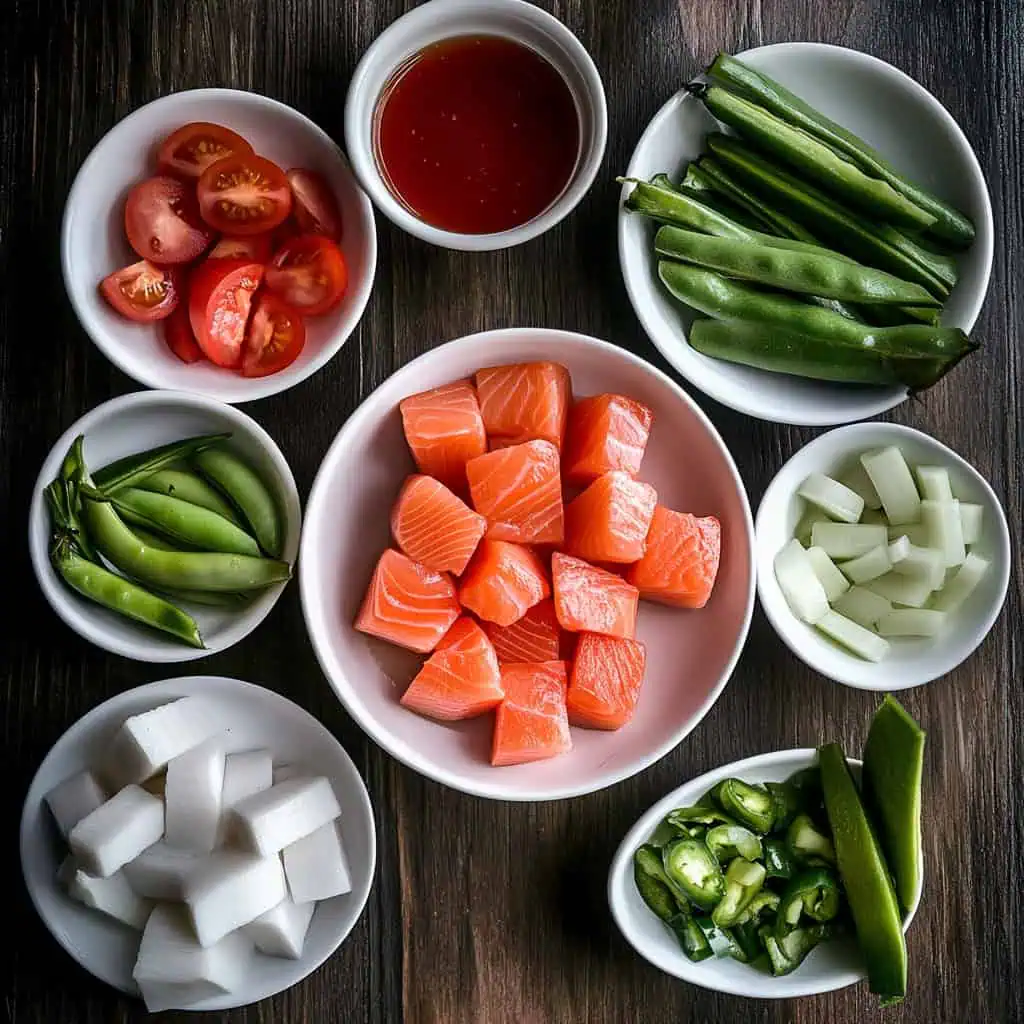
(476, 124)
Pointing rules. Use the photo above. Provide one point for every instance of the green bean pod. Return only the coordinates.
(697, 184)
(133, 469)
(209, 598)
(190, 487)
(72, 471)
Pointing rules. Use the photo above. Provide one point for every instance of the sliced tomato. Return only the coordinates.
(141, 291)
(179, 337)
(219, 298)
(161, 219)
(187, 152)
(309, 274)
(275, 337)
(244, 195)
(316, 208)
(258, 248)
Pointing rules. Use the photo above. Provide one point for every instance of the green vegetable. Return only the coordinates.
(764, 904)
(692, 939)
(666, 832)
(721, 940)
(747, 941)
(69, 507)
(778, 858)
(814, 892)
(787, 802)
(788, 953)
(178, 483)
(697, 184)
(805, 840)
(133, 469)
(699, 814)
(690, 866)
(652, 885)
(750, 805)
(743, 881)
(728, 841)
(210, 598)
(673, 207)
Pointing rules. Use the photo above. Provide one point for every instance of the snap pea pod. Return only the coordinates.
(951, 226)
(663, 181)
(152, 539)
(812, 158)
(179, 483)
(132, 469)
(209, 598)
(70, 480)
(673, 207)
(696, 183)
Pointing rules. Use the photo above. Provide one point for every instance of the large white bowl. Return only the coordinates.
(93, 241)
(690, 654)
(910, 662)
(133, 423)
(257, 718)
(834, 964)
(890, 111)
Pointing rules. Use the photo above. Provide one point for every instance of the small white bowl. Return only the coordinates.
(132, 423)
(890, 111)
(909, 662)
(834, 964)
(259, 719)
(444, 19)
(93, 242)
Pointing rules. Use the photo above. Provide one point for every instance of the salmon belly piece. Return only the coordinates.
(534, 637)
(592, 600)
(526, 400)
(605, 432)
(434, 526)
(531, 723)
(609, 521)
(604, 687)
(503, 581)
(681, 561)
(408, 604)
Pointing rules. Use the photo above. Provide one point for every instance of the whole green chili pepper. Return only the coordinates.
(779, 860)
(692, 940)
(805, 840)
(750, 805)
(743, 881)
(728, 841)
(786, 954)
(690, 866)
(132, 469)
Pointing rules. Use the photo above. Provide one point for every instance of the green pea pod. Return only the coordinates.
(209, 598)
(654, 892)
(705, 815)
(728, 841)
(697, 184)
(806, 840)
(155, 541)
(690, 866)
(673, 207)
(786, 954)
(692, 940)
(70, 506)
(779, 861)
(813, 893)
(133, 469)
(663, 181)
(750, 805)
(743, 881)
(178, 483)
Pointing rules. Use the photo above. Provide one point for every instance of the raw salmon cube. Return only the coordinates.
(519, 491)
(434, 526)
(531, 723)
(605, 432)
(444, 430)
(460, 679)
(408, 604)
(609, 521)
(607, 673)
(592, 600)
(534, 637)
(495, 444)
(681, 561)
(526, 400)
(503, 581)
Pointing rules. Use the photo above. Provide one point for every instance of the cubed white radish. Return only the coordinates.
(66, 871)
(117, 831)
(829, 576)
(174, 971)
(853, 636)
(970, 521)
(863, 606)
(282, 930)
(112, 896)
(847, 540)
(283, 772)
(192, 795)
(801, 588)
(899, 549)
(962, 584)
(894, 483)
(874, 517)
(912, 622)
(245, 773)
(160, 872)
(916, 533)
(869, 566)
(229, 889)
(316, 867)
(920, 563)
(934, 483)
(271, 820)
(836, 500)
(857, 479)
(905, 590)
(71, 800)
(811, 515)
(945, 531)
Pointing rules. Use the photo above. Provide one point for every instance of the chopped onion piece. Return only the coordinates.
(854, 637)
(869, 566)
(829, 576)
(945, 532)
(847, 540)
(832, 497)
(903, 590)
(912, 622)
(970, 521)
(892, 478)
(863, 606)
(962, 584)
(799, 584)
(934, 482)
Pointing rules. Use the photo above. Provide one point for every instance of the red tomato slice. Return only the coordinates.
(179, 337)
(244, 195)
(162, 221)
(220, 295)
(188, 151)
(275, 337)
(141, 292)
(257, 248)
(316, 208)
(309, 273)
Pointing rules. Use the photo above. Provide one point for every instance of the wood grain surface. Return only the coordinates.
(486, 912)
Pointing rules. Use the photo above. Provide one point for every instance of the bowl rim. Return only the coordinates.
(258, 387)
(727, 393)
(407, 755)
(53, 590)
(778, 613)
(584, 174)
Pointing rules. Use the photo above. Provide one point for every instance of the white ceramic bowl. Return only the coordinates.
(690, 654)
(910, 662)
(133, 423)
(258, 718)
(890, 111)
(93, 241)
(443, 19)
(834, 964)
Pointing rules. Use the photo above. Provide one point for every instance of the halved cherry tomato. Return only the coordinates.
(309, 273)
(244, 195)
(162, 221)
(188, 151)
(219, 298)
(316, 208)
(258, 248)
(275, 337)
(142, 292)
(179, 337)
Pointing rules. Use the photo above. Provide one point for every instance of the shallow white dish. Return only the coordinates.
(909, 662)
(93, 242)
(133, 423)
(834, 964)
(258, 718)
(890, 111)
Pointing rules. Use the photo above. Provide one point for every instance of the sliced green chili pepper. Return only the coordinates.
(750, 805)
(728, 841)
(805, 840)
(786, 801)
(778, 858)
(179, 483)
(807, 782)
(721, 940)
(132, 469)
(743, 881)
(786, 954)
(698, 814)
(813, 893)
(765, 903)
(653, 891)
(748, 942)
(691, 937)
(665, 833)
(690, 866)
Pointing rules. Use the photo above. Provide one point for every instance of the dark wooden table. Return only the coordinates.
(487, 912)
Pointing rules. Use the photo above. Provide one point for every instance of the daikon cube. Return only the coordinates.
(245, 773)
(282, 930)
(271, 820)
(316, 867)
(161, 871)
(283, 772)
(112, 896)
(73, 799)
(192, 796)
(117, 831)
